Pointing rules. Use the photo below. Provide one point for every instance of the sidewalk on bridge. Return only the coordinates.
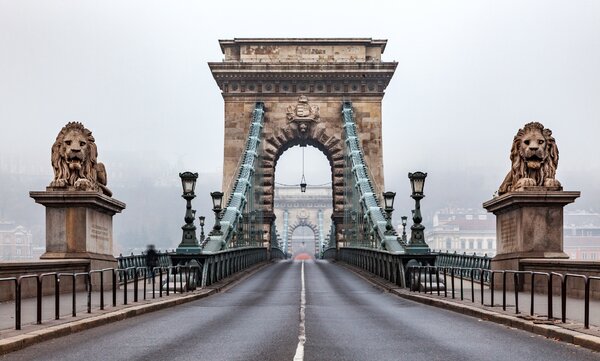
(572, 331)
(31, 333)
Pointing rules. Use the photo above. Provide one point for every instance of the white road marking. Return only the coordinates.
(299, 356)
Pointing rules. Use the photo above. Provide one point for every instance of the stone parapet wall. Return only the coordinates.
(29, 286)
(327, 50)
(575, 286)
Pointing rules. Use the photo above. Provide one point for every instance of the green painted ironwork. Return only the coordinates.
(464, 262)
(364, 218)
(241, 219)
(276, 251)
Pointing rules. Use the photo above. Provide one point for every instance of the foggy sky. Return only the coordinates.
(470, 74)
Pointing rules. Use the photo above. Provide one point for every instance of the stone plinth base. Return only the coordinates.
(529, 224)
(79, 226)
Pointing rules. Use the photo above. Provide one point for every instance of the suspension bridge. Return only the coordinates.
(241, 297)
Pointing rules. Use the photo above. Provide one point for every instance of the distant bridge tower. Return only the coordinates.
(303, 83)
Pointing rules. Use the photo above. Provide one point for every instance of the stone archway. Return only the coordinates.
(280, 141)
(304, 222)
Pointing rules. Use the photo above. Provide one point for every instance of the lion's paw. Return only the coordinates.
(550, 182)
(83, 184)
(58, 183)
(525, 182)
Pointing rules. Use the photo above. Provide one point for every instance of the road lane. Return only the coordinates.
(255, 320)
(348, 318)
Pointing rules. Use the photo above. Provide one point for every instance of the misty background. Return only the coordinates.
(470, 74)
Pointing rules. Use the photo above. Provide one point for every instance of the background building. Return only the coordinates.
(462, 230)
(303, 219)
(16, 243)
(582, 235)
(474, 231)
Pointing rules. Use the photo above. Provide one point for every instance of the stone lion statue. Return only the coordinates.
(534, 158)
(74, 159)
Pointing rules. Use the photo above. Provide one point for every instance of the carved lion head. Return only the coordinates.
(74, 158)
(534, 157)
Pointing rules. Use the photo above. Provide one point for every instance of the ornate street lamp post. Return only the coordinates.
(417, 183)
(217, 199)
(388, 199)
(404, 218)
(189, 242)
(202, 219)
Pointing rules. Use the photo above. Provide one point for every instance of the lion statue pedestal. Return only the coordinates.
(79, 225)
(79, 206)
(529, 224)
(529, 208)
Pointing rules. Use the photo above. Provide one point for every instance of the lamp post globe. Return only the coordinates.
(417, 182)
(188, 182)
(388, 200)
(217, 199)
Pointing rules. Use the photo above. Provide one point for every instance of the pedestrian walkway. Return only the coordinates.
(68, 306)
(471, 294)
(471, 303)
(31, 332)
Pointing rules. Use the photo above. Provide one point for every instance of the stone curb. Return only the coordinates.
(15, 343)
(550, 331)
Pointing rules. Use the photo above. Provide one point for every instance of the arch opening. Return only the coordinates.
(308, 212)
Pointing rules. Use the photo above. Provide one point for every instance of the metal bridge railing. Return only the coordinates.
(219, 265)
(276, 251)
(132, 280)
(464, 261)
(427, 279)
(139, 260)
(94, 281)
(388, 266)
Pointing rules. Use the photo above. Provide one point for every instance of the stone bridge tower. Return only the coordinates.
(303, 83)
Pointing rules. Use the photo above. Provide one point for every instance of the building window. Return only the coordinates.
(463, 244)
(471, 245)
(448, 243)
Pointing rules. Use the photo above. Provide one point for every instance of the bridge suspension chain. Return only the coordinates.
(240, 216)
(365, 221)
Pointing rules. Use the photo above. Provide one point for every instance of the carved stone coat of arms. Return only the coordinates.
(303, 115)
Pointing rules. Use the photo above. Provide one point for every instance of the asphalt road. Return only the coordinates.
(346, 318)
